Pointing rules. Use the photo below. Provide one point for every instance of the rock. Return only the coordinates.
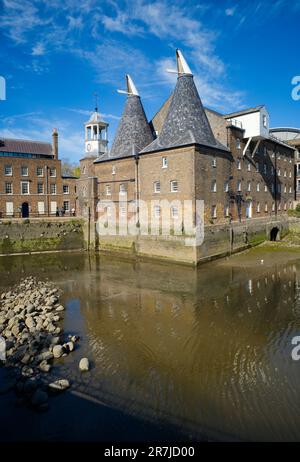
(58, 351)
(30, 385)
(44, 366)
(45, 356)
(59, 308)
(84, 365)
(59, 385)
(27, 371)
(69, 346)
(30, 322)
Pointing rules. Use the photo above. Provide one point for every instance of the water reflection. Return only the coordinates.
(207, 349)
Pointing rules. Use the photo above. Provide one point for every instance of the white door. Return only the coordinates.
(53, 207)
(9, 208)
(41, 208)
(249, 209)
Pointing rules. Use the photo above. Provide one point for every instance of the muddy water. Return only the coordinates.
(207, 350)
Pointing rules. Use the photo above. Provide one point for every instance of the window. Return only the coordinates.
(53, 171)
(272, 170)
(83, 170)
(258, 207)
(290, 174)
(266, 206)
(266, 188)
(174, 186)
(238, 143)
(273, 206)
(40, 171)
(164, 162)
(108, 190)
(9, 208)
(113, 170)
(66, 206)
(279, 206)
(8, 188)
(226, 186)
(40, 188)
(265, 121)
(122, 189)
(156, 186)
(284, 173)
(214, 162)
(290, 190)
(52, 188)
(66, 189)
(239, 185)
(24, 171)
(214, 211)
(213, 186)
(284, 188)
(157, 211)
(257, 166)
(174, 212)
(272, 188)
(285, 206)
(265, 169)
(239, 165)
(24, 187)
(226, 211)
(249, 186)
(41, 208)
(258, 187)
(8, 170)
(279, 172)
(249, 167)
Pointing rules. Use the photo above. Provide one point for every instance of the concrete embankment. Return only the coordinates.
(39, 235)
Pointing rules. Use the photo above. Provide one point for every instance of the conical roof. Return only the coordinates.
(186, 122)
(134, 132)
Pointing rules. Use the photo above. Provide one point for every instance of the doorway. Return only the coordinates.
(249, 209)
(25, 210)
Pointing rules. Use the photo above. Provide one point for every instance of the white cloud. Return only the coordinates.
(38, 49)
(230, 11)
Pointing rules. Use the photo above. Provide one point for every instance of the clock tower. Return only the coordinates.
(96, 140)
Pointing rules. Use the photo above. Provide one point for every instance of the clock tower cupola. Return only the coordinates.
(96, 135)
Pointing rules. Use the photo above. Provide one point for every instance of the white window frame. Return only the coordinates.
(28, 189)
(156, 187)
(66, 209)
(214, 186)
(214, 162)
(11, 188)
(10, 168)
(51, 170)
(42, 188)
(108, 190)
(51, 187)
(213, 211)
(26, 170)
(172, 184)
(164, 162)
(68, 189)
(37, 170)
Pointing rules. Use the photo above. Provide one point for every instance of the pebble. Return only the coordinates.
(84, 365)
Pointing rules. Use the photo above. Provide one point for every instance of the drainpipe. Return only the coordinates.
(47, 194)
(137, 192)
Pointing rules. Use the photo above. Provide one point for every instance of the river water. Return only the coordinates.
(206, 350)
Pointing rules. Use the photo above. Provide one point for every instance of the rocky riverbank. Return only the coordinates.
(31, 340)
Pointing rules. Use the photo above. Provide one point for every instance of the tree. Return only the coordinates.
(69, 168)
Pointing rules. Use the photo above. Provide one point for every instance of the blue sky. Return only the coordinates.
(54, 55)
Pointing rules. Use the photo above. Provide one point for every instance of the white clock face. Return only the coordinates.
(88, 146)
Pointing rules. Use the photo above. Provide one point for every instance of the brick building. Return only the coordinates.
(186, 152)
(31, 181)
(291, 136)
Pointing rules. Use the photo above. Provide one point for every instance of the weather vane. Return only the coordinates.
(96, 101)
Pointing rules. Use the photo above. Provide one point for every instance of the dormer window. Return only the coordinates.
(164, 162)
(113, 170)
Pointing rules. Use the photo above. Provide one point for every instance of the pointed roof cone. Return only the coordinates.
(182, 65)
(134, 132)
(131, 88)
(186, 122)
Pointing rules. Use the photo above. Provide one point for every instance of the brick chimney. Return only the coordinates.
(55, 143)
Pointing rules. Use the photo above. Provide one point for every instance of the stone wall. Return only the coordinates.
(22, 236)
(220, 240)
